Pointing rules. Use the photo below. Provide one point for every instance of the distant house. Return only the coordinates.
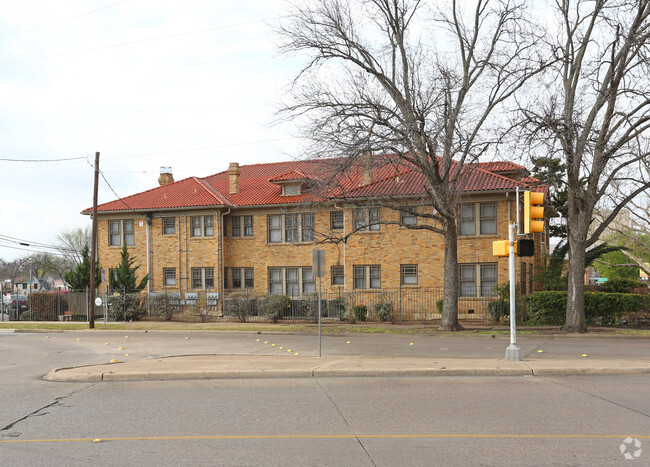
(254, 227)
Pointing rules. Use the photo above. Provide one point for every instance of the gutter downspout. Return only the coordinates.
(345, 282)
(222, 265)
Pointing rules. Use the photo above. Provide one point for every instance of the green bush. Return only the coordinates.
(549, 308)
(621, 286)
(498, 309)
(163, 304)
(240, 305)
(126, 307)
(360, 312)
(384, 311)
(338, 306)
(28, 315)
(439, 304)
(274, 307)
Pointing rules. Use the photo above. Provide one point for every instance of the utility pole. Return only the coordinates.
(93, 250)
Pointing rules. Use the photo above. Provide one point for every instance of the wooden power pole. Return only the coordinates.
(93, 250)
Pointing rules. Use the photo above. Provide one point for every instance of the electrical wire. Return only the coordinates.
(43, 160)
(139, 41)
(63, 20)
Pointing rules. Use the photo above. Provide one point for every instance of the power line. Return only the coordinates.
(44, 160)
(118, 196)
(63, 20)
(140, 41)
(32, 251)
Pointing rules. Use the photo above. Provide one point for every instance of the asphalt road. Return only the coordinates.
(330, 421)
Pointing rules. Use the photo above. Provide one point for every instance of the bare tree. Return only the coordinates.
(71, 243)
(594, 115)
(396, 77)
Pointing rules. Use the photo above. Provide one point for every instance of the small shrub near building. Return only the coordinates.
(163, 304)
(126, 307)
(360, 312)
(384, 312)
(275, 306)
(240, 306)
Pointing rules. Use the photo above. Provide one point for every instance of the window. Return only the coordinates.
(409, 274)
(338, 275)
(241, 226)
(291, 228)
(477, 280)
(241, 278)
(408, 219)
(169, 225)
(201, 226)
(236, 226)
(522, 279)
(248, 226)
(203, 278)
(477, 217)
(367, 277)
(291, 190)
(169, 277)
(336, 220)
(293, 281)
(121, 231)
(530, 278)
(367, 219)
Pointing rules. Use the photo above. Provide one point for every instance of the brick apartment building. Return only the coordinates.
(254, 227)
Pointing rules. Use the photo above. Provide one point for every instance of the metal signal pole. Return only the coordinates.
(93, 250)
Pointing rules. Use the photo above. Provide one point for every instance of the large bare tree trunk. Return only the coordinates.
(575, 307)
(450, 304)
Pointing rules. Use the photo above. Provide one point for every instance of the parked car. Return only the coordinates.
(16, 302)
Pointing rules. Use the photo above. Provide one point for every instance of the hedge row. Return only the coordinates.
(549, 308)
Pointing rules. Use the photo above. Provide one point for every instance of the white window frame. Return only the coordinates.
(407, 218)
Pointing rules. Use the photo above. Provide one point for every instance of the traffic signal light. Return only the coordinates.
(533, 212)
(525, 247)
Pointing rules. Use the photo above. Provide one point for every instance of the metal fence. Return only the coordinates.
(391, 305)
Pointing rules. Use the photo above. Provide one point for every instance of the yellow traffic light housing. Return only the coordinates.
(533, 212)
(500, 248)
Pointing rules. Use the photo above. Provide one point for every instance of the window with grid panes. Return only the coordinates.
(477, 217)
(477, 280)
(169, 225)
(338, 275)
(121, 231)
(169, 277)
(201, 226)
(290, 228)
(367, 219)
(409, 274)
(235, 226)
(408, 218)
(336, 220)
(291, 281)
(248, 226)
(202, 278)
(367, 277)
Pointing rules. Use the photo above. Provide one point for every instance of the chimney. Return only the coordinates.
(166, 176)
(366, 169)
(233, 172)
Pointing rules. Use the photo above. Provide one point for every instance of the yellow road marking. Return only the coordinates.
(368, 436)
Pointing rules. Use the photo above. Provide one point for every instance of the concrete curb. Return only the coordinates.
(200, 367)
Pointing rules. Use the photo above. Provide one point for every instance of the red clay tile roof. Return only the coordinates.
(259, 185)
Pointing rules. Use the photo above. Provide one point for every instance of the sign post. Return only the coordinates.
(318, 270)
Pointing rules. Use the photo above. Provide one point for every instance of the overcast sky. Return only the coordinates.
(147, 83)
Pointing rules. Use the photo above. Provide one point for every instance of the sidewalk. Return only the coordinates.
(212, 355)
(297, 366)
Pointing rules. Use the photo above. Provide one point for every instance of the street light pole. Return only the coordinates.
(512, 352)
